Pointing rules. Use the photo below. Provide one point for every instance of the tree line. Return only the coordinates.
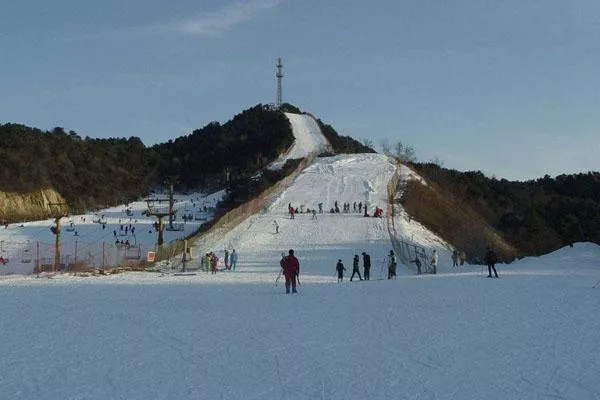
(93, 173)
(535, 216)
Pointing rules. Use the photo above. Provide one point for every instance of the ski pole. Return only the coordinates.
(277, 279)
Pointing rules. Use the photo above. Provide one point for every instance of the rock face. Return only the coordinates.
(15, 207)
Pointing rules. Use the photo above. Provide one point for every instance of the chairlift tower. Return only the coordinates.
(60, 213)
(152, 210)
(279, 76)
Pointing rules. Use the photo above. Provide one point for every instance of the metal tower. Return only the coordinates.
(279, 76)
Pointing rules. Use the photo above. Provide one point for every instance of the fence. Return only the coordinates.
(31, 257)
(405, 250)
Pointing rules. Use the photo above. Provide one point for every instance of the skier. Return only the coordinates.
(226, 260)
(276, 226)
(366, 265)
(233, 258)
(434, 261)
(391, 265)
(291, 270)
(339, 267)
(417, 263)
(355, 268)
(490, 260)
(455, 258)
(214, 263)
(320, 208)
(463, 257)
(314, 214)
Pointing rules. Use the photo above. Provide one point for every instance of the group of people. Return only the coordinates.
(210, 261)
(346, 208)
(339, 267)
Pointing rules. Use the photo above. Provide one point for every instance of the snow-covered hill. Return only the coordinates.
(531, 334)
(308, 139)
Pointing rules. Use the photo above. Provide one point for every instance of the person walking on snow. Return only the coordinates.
(391, 265)
(226, 259)
(291, 270)
(355, 268)
(434, 261)
(417, 263)
(366, 265)
(491, 259)
(339, 267)
(455, 258)
(233, 258)
(276, 225)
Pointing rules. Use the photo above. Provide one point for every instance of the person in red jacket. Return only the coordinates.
(291, 269)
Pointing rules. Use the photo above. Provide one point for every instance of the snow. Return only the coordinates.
(19, 242)
(531, 334)
(308, 139)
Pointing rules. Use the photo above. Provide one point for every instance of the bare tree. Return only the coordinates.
(385, 146)
(367, 143)
(405, 153)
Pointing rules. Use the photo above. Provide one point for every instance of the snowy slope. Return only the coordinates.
(318, 242)
(308, 139)
(532, 334)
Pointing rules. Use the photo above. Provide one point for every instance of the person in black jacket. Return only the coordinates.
(339, 267)
(366, 265)
(355, 268)
(491, 259)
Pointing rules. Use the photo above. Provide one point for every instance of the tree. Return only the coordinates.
(405, 153)
(385, 146)
(367, 143)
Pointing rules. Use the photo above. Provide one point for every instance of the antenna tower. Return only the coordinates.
(279, 76)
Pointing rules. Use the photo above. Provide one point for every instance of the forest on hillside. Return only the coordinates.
(535, 216)
(93, 173)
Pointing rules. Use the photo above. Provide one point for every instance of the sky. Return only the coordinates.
(532, 333)
(502, 86)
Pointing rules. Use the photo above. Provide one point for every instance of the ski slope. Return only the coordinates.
(308, 139)
(320, 242)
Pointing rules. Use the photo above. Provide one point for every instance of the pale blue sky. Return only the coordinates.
(508, 87)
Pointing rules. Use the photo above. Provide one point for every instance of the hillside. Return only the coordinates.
(518, 218)
(80, 168)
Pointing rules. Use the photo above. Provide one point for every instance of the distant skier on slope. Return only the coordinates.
(355, 268)
(366, 265)
(391, 265)
(491, 259)
(339, 267)
(233, 258)
(434, 261)
(417, 263)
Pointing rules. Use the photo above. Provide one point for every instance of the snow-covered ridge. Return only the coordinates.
(308, 139)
